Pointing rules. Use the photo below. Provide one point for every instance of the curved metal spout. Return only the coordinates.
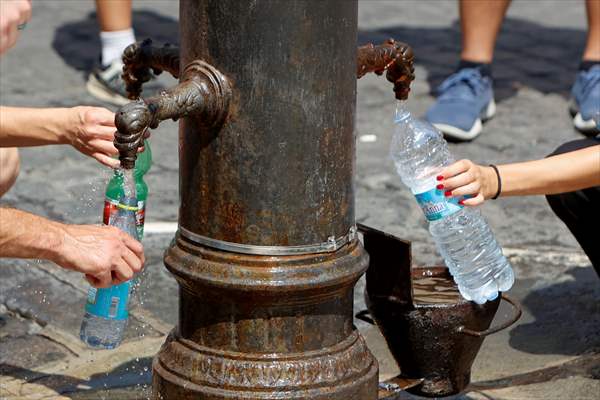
(395, 57)
(141, 59)
(202, 91)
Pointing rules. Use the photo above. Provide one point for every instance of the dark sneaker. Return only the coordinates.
(107, 85)
(585, 103)
(465, 100)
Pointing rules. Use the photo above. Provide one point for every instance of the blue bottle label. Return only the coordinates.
(110, 303)
(437, 206)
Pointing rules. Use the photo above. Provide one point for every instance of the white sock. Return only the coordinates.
(113, 44)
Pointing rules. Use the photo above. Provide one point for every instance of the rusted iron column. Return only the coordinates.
(266, 254)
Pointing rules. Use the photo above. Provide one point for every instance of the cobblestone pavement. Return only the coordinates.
(551, 353)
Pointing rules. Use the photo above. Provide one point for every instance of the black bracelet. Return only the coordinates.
(499, 182)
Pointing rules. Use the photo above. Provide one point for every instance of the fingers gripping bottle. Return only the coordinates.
(461, 234)
(106, 310)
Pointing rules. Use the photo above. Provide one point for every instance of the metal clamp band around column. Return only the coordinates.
(332, 244)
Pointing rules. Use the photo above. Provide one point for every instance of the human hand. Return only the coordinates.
(465, 178)
(91, 130)
(105, 254)
(12, 14)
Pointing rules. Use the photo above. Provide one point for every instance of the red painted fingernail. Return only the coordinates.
(440, 186)
(462, 202)
(440, 178)
(448, 193)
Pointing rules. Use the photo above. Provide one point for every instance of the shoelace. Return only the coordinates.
(469, 76)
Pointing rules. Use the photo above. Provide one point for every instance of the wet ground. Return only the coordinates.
(553, 352)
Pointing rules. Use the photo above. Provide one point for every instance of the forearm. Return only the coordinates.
(24, 235)
(21, 127)
(557, 174)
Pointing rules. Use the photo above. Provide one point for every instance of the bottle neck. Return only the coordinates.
(137, 174)
(402, 113)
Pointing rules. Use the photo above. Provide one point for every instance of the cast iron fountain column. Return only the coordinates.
(266, 254)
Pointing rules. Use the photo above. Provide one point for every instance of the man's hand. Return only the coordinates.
(91, 130)
(105, 254)
(12, 14)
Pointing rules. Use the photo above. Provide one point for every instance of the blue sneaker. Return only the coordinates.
(465, 100)
(585, 103)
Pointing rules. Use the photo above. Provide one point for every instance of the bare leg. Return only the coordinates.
(592, 47)
(116, 33)
(114, 15)
(9, 168)
(480, 22)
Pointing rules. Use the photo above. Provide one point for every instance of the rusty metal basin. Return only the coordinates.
(433, 333)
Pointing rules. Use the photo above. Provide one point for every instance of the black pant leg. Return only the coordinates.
(580, 210)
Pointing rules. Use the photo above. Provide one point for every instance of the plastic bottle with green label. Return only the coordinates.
(114, 189)
(106, 309)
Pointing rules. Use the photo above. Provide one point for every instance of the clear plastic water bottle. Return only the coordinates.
(106, 310)
(461, 234)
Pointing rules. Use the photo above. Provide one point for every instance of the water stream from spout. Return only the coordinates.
(137, 296)
(128, 183)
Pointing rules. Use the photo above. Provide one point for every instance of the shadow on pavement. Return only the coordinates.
(130, 374)
(527, 54)
(78, 44)
(567, 317)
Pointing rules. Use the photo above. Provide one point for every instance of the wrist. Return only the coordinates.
(59, 124)
(490, 183)
(52, 242)
(69, 124)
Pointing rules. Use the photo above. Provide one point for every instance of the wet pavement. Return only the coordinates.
(553, 352)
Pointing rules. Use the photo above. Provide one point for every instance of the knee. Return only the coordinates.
(9, 168)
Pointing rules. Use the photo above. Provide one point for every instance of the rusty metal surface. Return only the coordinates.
(203, 92)
(390, 388)
(421, 316)
(392, 56)
(142, 59)
(280, 172)
(517, 312)
(257, 327)
(390, 261)
(425, 341)
(277, 172)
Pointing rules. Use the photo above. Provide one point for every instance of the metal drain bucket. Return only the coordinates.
(432, 332)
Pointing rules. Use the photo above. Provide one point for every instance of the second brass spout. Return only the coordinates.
(395, 57)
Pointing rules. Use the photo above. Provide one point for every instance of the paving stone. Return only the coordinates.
(18, 354)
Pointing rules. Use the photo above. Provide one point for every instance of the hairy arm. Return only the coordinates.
(561, 173)
(24, 235)
(105, 254)
(89, 129)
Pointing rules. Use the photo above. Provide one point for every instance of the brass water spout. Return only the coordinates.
(203, 91)
(394, 57)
